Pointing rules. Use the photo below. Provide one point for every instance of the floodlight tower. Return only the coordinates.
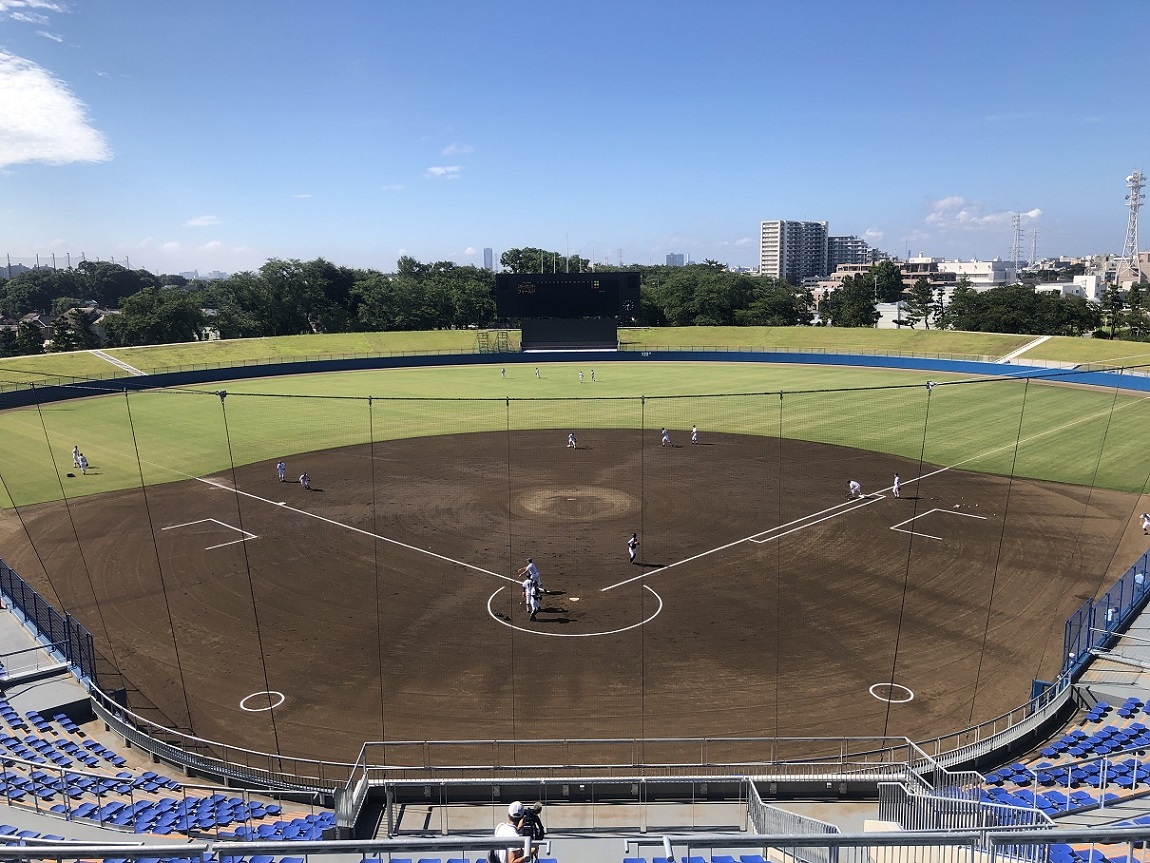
(1129, 259)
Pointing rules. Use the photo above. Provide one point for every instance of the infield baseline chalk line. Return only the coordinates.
(358, 530)
(246, 536)
(898, 527)
(806, 520)
(1074, 422)
(803, 522)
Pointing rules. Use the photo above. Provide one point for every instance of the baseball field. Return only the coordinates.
(383, 604)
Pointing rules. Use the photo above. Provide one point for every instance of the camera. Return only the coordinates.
(530, 823)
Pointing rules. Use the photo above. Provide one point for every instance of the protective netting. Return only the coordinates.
(192, 563)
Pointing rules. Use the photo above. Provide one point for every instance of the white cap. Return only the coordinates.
(515, 809)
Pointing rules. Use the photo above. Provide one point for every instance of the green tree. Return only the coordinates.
(1112, 308)
(852, 305)
(108, 284)
(72, 331)
(28, 339)
(533, 260)
(886, 277)
(156, 316)
(920, 304)
(774, 303)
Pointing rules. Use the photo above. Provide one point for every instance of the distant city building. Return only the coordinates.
(675, 260)
(850, 250)
(982, 275)
(793, 251)
(488, 260)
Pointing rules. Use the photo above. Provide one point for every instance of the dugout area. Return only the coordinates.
(381, 605)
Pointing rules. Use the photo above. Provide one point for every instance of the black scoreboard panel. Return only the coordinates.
(567, 295)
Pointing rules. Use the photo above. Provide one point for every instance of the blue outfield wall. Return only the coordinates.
(36, 394)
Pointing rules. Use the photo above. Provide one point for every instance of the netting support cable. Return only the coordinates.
(906, 570)
(379, 650)
(248, 570)
(159, 564)
(998, 555)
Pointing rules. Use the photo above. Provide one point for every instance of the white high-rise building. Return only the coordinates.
(793, 251)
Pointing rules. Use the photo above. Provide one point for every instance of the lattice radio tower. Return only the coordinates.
(1016, 249)
(1129, 260)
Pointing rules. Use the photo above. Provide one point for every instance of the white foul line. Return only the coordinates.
(246, 536)
(802, 523)
(355, 529)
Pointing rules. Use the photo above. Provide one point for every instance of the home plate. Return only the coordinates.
(283, 503)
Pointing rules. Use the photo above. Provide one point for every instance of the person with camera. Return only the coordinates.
(522, 821)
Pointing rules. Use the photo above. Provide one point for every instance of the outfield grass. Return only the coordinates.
(1066, 349)
(1075, 435)
(931, 343)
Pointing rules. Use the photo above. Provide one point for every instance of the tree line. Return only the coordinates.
(290, 297)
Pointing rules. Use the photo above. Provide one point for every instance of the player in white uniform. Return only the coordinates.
(694, 434)
(854, 490)
(532, 572)
(1146, 522)
(633, 546)
(76, 455)
(665, 440)
(531, 596)
(305, 481)
(571, 441)
(281, 470)
(897, 485)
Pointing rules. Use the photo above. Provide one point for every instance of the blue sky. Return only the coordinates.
(218, 133)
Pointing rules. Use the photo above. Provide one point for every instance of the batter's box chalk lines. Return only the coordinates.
(900, 526)
(811, 520)
(358, 530)
(496, 617)
(246, 536)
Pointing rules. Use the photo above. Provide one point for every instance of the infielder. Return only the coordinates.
(633, 546)
(531, 596)
(532, 572)
(571, 441)
(281, 470)
(1146, 522)
(665, 440)
(854, 490)
(694, 434)
(897, 485)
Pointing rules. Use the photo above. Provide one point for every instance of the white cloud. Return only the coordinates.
(211, 246)
(302, 195)
(743, 241)
(874, 234)
(41, 120)
(956, 212)
(454, 149)
(202, 222)
(170, 247)
(29, 17)
(48, 35)
(470, 251)
(445, 172)
(12, 7)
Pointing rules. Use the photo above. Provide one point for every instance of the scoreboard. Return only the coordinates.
(567, 295)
